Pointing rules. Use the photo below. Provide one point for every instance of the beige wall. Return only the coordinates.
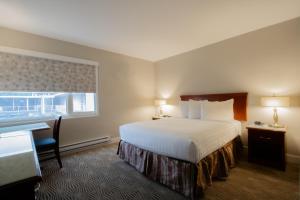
(126, 85)
(263, 62)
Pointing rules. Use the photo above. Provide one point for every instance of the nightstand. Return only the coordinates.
(159, 117)
(156, 117)
(266, 146)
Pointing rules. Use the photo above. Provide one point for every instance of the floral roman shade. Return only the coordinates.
(36, 74)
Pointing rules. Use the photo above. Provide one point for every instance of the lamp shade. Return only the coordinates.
(275, 101)
(160, 102)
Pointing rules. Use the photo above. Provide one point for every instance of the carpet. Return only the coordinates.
(99, 174)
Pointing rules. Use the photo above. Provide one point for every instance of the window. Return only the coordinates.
(83, 102)
(35, 105)
(73, 84)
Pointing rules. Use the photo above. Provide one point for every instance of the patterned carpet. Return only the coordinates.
(100, 174)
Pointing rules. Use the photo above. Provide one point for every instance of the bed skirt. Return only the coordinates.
(187, 178)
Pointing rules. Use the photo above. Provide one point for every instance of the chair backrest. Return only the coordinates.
(56, 129)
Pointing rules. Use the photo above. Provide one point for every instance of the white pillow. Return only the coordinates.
(184, 107)
(218, 110)
(195, 109)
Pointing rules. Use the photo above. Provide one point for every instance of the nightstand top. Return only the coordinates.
(266, 127)
(160, 117)
(157, 117)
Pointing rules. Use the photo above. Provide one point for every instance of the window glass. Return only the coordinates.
(83, 102)
(56, 103)
(28, 105)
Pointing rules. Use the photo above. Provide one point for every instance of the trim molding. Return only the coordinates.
(46, 55)
(292, 158)
(86, 143)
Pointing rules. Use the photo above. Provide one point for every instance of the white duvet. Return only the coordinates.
(184, 139)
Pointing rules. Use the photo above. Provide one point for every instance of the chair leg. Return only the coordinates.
(57, 154)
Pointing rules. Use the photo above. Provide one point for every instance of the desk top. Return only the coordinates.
(25, 127)
(18, 158)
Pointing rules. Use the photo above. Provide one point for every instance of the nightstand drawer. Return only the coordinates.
(266, 136)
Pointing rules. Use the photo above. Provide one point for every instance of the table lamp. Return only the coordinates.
(275, 102)
(160, 103)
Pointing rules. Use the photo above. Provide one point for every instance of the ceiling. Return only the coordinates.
(147, 29)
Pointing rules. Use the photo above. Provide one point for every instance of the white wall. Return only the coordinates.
(261, 63)
(126, 85)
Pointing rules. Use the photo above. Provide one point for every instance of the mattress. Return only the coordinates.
(181, 138)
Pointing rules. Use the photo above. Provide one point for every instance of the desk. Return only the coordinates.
(25, 127)
(19, 165)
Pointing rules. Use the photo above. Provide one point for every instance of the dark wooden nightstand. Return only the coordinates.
(160, 117)
(266, 146)
(156, 117)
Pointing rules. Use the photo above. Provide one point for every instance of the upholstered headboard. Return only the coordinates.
(239, 105)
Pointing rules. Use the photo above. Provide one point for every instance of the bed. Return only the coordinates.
(185, 154)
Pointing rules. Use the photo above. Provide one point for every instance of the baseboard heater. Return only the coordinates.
(83, 144)
(78, 146)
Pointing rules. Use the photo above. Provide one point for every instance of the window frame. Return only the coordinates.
(70, 114)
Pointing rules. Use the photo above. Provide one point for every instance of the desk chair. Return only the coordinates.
(51, 143)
